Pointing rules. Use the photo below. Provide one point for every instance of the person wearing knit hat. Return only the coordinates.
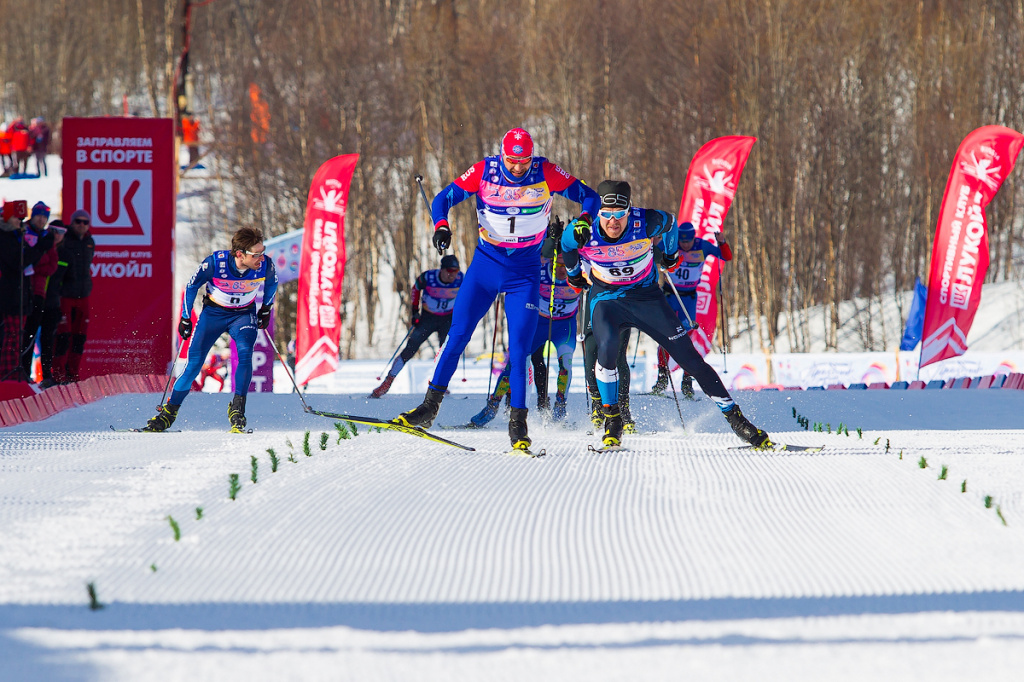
(76, 251)
(514, 192)
(625, 293)
(40, 272)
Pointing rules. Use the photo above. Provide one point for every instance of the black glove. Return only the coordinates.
(555, 229)
(581, 230)
(415, 319)
(442, 238)
(263, 318)
(668, 262)
(185, 328)
(578, 281)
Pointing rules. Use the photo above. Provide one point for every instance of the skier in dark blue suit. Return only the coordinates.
(236, 281)
(625, 294)
(513, 200)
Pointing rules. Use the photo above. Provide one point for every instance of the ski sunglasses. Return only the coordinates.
(609, 214)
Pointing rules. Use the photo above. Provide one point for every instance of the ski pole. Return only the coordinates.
(722, 323)
(419, 181)
(170, 375)
(680, 300)
(305, 407)
(400, 343)
(676, 397)
(494, 342)
(551, 321)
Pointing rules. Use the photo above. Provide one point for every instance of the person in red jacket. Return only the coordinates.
(20, 145)
(41, 271)
(6, 161)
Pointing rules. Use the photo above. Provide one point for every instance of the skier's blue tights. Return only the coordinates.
(211, 324)
(518, 276)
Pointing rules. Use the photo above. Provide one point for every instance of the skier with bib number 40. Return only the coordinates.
(513, 202)
(625, 293)
(234, 280)
(435, 290)
(686, 276)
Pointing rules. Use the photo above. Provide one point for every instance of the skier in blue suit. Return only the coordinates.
(513, 202)
(625, 294)
(236, 281)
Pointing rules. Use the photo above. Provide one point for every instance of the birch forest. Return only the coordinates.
(858, 107)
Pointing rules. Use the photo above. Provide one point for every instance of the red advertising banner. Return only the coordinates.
(122, 171)
(960, 253)
(322, 269)
(711, 184)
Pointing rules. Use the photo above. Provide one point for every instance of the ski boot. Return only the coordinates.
(662, 383)
(422, 415)
(236, 414)
(747, 431)
(686, 387)
(384, 387)
(517, 429)
(596, 413)
(163, 419)
(612, 426)
(484, 416)
(543, 403)
(628, 425)
(558, 411)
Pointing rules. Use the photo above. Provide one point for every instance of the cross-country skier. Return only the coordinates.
(236, 281)
(686, 276)
(435, 290)
(625, 294)
(513, 200)
(561, 316)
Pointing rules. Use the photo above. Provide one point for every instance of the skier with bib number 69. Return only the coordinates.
(625, 293)
(513, 200)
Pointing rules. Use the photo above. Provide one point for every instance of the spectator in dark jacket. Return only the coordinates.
(17, 256)
(39, 135)
(41, 271)
(51, 309)
(77, 251)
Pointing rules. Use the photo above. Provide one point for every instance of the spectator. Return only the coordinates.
(6, 162)
(40, 136)
(51, 309)
(77, 251)
(16, 256)
(20, 145)
(190, 136)
(40, 272)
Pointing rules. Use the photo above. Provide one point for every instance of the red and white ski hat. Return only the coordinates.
(517, 142)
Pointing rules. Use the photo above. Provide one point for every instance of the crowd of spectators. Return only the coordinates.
(45, 284)
(19, 142)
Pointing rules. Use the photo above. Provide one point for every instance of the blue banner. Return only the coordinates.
(915, 320)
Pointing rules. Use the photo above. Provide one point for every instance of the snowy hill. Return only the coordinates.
(388, 557)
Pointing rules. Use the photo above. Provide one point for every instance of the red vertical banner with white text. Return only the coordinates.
(122, 171)
(960, 253)
(322, 270)
(711, 184)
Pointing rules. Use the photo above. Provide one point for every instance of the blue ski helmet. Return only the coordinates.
(687, 231)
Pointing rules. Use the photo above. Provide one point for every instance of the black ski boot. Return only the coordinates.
(747, 431)
(163, 419)
(517, 429)
(424, 414)
(236, 414)
(596, 414)
(628, 425)
(662, 383)
(612, 426)
(686, 387)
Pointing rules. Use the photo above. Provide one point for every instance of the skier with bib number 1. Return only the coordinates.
(513, 192)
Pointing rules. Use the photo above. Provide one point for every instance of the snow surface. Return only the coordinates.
(387, 557)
